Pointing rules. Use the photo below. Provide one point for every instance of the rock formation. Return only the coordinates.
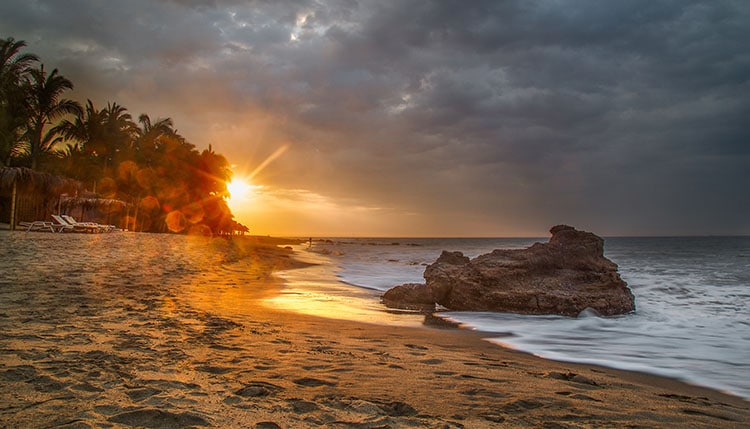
(564, 276)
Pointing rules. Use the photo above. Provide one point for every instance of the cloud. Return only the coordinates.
(625, 117)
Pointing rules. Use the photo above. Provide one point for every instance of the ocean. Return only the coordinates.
(692, 318)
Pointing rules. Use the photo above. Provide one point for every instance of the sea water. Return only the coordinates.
(692, 318)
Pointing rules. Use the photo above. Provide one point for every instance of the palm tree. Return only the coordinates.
(119, 132)
(155, 129)
(87, 131)
(87, 126)
(105, 137)
(150, 137)
(13, 67)
(45, 106)
(12, 63)
(213, 172)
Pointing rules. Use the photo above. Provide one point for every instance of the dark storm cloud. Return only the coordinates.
(623, 117)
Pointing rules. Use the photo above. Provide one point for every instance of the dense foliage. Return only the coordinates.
(168, 184)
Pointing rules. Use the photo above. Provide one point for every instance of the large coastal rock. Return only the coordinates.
(564, 276)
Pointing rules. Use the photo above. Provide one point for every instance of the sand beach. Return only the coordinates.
(167, 331)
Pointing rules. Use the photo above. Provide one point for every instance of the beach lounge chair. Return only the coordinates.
(102, 228)
(58, 226)
(38, 225)
(77, 227)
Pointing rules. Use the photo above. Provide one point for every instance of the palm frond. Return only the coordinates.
(30, 180)
(65, 107)
(11, 60)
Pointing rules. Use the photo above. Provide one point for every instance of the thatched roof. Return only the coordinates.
(28, 179)
(89, 203)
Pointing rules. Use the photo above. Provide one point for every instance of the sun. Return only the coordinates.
(239, 190)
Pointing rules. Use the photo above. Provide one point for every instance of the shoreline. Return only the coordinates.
(435, 321)
(177, 336)
(688, 325)
(363, 304)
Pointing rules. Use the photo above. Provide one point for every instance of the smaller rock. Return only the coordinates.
(410, 296)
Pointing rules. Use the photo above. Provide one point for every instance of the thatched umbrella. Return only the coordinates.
(18, 179)
(87, 203)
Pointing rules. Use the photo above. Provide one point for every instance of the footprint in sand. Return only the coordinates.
(137, 395)
(258, 389)
(521, 406)
(483, 392)
(18, 373)
(313, 382)
(211, 369)
(416, 347)
(571, 376)
(46, 384)
(303, 407)
(397, 409)
(158, 419)
(264, 367)
(87, 387)
(315, 367)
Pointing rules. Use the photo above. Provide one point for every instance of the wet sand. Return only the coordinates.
(161, 331)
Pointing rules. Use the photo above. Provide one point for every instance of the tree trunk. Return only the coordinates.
(35, 144)
(135, 216)
(13, 207)
(126, 227)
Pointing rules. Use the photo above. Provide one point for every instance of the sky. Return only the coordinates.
(434, 118)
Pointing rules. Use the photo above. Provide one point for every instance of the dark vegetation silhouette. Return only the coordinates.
(166, 183)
